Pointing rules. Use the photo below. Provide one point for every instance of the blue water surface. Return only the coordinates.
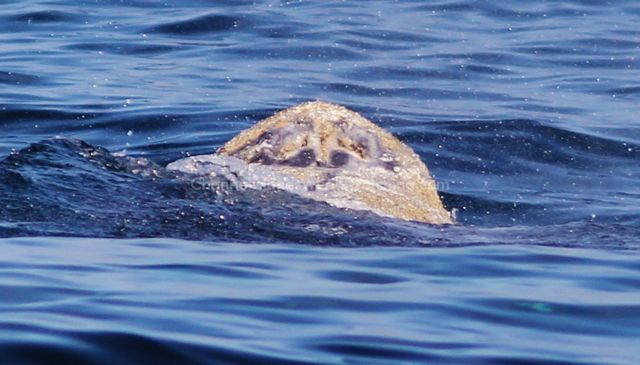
(525, 112)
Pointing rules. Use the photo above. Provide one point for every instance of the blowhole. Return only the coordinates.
(339, 158)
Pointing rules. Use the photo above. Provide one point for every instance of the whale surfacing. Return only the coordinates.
(329, 153)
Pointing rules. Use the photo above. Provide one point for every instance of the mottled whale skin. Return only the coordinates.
(328, 153)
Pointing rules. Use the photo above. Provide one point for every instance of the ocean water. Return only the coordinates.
(527, 114)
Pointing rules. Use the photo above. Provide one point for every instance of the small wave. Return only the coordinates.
(619, 63)
(630, 90)
(124, 48)
(404, 73)
(212, 23)
(18, 79)
(306, 53)
(359, 89)
(18, 115)
(528, 140)
(45, 16)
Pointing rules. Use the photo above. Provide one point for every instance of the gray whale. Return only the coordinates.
(328, 153)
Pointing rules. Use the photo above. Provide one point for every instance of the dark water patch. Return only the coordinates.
(394, 36)
(121, 48)
(47, 354)
(607, 43)
(413, 92)
(360, 45)
(18, 79)
(211, 23)
(404, 73)
(28, 295)
(624, 91)
(544, 316)
(529, 140)
(302, 53)
(314, 303)
(172, 352)
(500, 12)
(361, 277)
(622, 63)
(16, 116)
(282, 32)
(211, 271)
(505, 360)
(139, 122)
(287, 27)
(573, 9)
(547, 167)
(377, 354)
(481, 210)
(63, 153)
(357, 347)
(107, 347)
(449, 6)
(488, 70)
(545, 50)
(484, 58)
(14, 180)
(535, 107)
(45, 16)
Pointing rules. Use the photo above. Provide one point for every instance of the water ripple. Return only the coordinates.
(202, 24)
